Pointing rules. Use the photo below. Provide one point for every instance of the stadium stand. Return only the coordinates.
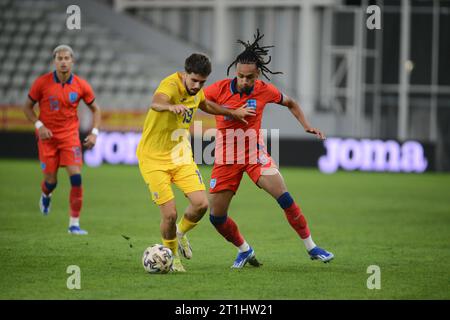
(122, 73)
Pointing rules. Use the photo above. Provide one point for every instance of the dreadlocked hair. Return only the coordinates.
(254, 53)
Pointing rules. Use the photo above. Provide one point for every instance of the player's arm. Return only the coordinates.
(295, 109)
(239, 114)
(91, 139)
(161, 102)
(43, 131)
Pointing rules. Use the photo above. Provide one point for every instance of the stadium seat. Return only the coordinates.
(4, 80)
(120, 74)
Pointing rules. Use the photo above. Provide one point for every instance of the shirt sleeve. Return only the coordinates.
(211, 92)
(273, 94)
(35, 92)
(168, 87)
(88, 95)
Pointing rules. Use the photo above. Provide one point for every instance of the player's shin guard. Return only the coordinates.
(76, 195)
(47, 188)
(294, 215)
(228, 229)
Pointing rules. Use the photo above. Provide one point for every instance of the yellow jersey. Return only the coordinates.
(165, 137)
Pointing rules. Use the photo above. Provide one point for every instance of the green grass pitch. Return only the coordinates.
(399, 222)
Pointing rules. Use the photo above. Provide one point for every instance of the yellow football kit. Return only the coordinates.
(164, 151)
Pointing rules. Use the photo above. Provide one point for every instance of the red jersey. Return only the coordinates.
(58, 102)
(225, 93)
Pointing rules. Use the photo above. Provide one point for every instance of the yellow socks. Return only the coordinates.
(185, 225)
(172, 245)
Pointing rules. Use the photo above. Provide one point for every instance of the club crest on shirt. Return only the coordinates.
(251, 104)
(73, 97)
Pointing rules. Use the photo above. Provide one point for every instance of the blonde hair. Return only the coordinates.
(62, 47)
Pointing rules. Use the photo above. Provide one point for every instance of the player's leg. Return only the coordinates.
(48, 184)
(71, 157)
(194, 212)
(158, 180)
(226, 226)
(49, 160)
(220, 202)
(272, 182)
(198, 205)
(224, 183)
(188, 178)
(75, 199)
(169, 232)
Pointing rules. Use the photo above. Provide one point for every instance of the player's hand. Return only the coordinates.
(178, 109)
(319, 134)
(89, 141)
(44, 133)
(243, 112)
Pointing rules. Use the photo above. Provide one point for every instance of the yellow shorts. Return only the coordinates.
(159, 178)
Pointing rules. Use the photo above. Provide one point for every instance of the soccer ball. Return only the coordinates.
(157, 259)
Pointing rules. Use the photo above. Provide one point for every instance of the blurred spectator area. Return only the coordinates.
(122, 74)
